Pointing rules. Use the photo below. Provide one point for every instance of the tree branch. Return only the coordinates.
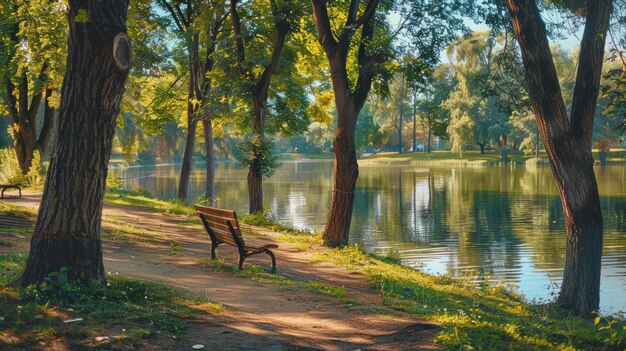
(36, 99)
(352, 12)
(367, 15)
(543, 84)
(239, 46)
(22, 98)
(366, 64)
(173, 13)
(264, 81)
(589, 73)
(322, 22)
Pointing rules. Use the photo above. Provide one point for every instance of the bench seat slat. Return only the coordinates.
(224, 237)
(219, 226)
(216, 212)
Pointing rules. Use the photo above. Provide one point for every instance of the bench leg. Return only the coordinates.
(213, 247)
(273, 260)
(242, 257)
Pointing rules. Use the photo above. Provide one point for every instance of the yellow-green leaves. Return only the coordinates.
(82, 16)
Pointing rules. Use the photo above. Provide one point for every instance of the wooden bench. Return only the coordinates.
(9, 186)
(223, 228)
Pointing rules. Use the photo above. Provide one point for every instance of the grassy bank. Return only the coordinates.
(146, 201)
(296, 157)
(473, 317)
(127, 313)
(483, 317)
(473, 158)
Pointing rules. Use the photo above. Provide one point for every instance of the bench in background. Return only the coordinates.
(9, 186)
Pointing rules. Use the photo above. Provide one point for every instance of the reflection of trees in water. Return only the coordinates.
(488, 214)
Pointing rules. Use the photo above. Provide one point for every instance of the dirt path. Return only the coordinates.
(258, 316)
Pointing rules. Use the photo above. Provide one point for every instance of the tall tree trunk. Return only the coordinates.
(400, 134)
(192, 121)
(209, 192)
(430, 129)
(255, 175)
(568, 142)
(414, 122)
(346, 172)
(185, 169)
(47, 129)
(67, 233)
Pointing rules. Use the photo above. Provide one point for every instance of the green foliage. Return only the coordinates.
(12, 174)
(258, 149)
(394, 108)
(57, 290)
(130, 138)
(368, 131)
(114, 183)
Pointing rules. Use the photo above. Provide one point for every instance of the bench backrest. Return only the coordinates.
(222, 224)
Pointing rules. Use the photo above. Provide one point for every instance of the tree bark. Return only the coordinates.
(568, 142)
(185, 169)
(430, 130)
(255, 175)
(67, 233)
(400, 133)
(47, 129)
(192, 121)
(209, 192)
(414, 122)
(346, 172)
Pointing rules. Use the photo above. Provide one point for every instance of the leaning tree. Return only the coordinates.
(356, 50)
(67, 233)
(567, 139)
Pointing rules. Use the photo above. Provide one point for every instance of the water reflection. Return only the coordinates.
(492, 223)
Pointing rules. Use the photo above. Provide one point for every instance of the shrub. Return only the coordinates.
(11, 172)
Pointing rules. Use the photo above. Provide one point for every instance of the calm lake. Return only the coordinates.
(491, 223)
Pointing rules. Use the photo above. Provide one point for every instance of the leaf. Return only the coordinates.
(597, 320)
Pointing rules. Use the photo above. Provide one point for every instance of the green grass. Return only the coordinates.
(438, 158)
(295, 157)
(447, 158)
(485, 318)
(148, 202)
(131, 310)
(7, 209)
(130, 233)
